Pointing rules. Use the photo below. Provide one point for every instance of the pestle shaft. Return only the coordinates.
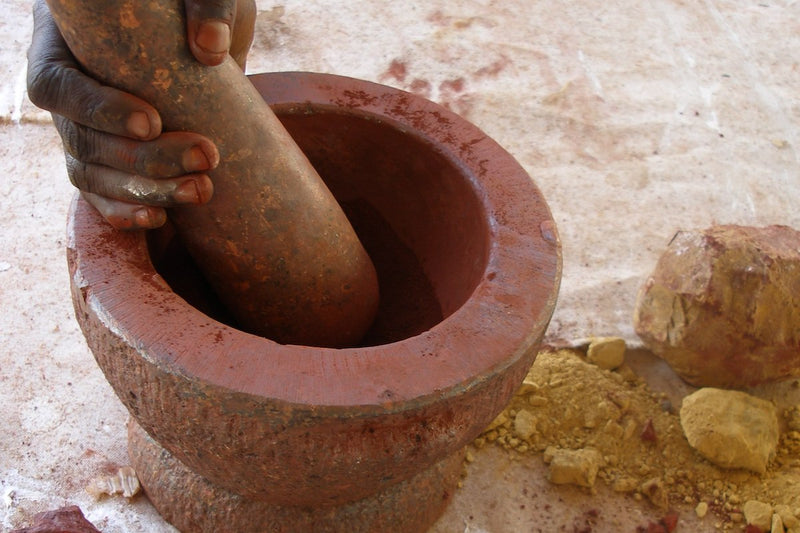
(272, 242)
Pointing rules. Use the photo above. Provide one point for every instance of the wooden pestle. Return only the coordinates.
(272, 242)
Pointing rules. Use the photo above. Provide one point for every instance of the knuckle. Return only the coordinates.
(148, 160)
(212, 9)
(161, 157)
(44, 82)
(77, 172)
(65, 91)
(144, 191)
(77, 140)
(98, 110)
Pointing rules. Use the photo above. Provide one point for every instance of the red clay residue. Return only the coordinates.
(438, 18)
(397, 70)
(492, 70)
(649, 432)
(420, 87)
(454, 85)
(354, 99)
(453, 97)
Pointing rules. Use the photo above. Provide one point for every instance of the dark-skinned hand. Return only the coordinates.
(116, 152)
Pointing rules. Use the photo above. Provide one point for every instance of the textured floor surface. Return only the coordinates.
(636, 119)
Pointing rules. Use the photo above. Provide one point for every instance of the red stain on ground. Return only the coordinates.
(453, 97)
(420, 87)
(397, 70)
(455, 85)
(492, 70)
(438, 18)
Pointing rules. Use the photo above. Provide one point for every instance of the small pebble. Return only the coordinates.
(758, 514)
(731, 428)
(606, 352)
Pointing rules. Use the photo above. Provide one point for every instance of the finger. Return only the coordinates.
(209, 29)
(243, 30)
(126, 216)
(115, 184)
(171, 154)
(56, 83)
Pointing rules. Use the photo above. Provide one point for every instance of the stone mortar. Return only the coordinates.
(469, 263)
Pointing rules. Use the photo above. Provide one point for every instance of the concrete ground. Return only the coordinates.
(636, 119)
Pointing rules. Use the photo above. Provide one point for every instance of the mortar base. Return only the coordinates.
(191, 503)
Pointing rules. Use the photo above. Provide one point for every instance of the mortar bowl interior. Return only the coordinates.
(411, 203)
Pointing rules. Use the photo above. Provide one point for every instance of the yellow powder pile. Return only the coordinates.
(568, 403)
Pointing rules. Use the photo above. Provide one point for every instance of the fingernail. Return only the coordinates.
(205, 188)
(142, 217)
(139, 124)
(214, 37)
(195, 159)
(187, 193)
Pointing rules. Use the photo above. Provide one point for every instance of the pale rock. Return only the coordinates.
(701, 510)
(573, 467)
(788, 518)
(722, 306)
(607, 353)
(537, 400)
(777, 524)
(527, 387)
(124, 482)
(793, 418)
(758, 514)
(524, 424)
(655, 492)
(500, 420)
(625, 484)
(730, 428)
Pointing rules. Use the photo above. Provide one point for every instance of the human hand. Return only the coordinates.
(117, 155)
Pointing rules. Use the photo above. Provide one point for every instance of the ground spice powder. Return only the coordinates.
(568, 403)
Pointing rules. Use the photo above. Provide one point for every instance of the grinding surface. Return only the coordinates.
(635, 119)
